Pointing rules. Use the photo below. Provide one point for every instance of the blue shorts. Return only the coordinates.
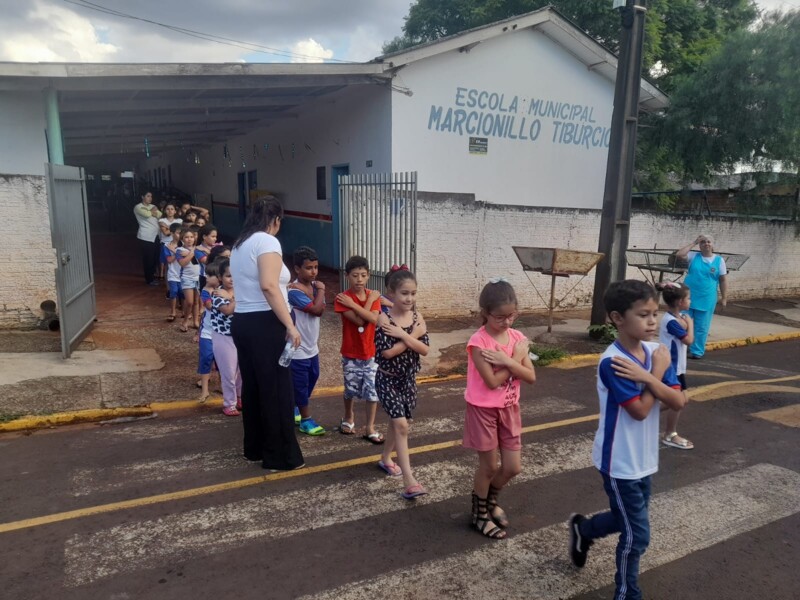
(359, 378)
(174, 290)
(206, 358)
(305, 372)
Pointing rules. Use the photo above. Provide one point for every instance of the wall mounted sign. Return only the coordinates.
(478, 145)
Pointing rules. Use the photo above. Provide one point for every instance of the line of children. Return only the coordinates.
(632, 376)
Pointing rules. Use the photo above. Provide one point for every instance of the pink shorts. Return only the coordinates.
(490, 428)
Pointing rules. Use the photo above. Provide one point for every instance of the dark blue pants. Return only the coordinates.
(629, 500)
(305, 373)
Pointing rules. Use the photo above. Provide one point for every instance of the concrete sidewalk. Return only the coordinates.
(135, 358)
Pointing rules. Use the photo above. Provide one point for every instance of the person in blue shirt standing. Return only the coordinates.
(707, 271)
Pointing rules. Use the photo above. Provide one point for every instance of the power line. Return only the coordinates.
(210, 37)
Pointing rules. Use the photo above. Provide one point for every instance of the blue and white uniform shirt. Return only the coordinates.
(670, 333)
(205, 320)
(306, 323)
(625, 448)
(174, 267)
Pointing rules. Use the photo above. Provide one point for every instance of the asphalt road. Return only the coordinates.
(166, 508)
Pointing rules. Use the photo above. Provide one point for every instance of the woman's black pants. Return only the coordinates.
(267, 394)
(149, 258)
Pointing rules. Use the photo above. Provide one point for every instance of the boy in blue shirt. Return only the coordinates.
(633, 375)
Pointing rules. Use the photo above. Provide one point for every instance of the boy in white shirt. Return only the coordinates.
(632, 376)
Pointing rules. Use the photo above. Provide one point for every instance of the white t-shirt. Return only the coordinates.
(723, 270)
(165, 239)
(625, 448)
(148, 226)
(244, 270)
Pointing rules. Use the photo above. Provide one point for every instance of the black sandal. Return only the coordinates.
(482, 520)
(498, 514)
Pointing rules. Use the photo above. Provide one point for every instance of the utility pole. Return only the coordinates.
(616, 216)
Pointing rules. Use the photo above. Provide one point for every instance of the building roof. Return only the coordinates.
(110, 108)
(550, 23)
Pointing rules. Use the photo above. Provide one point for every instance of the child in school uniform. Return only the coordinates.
(169, 252)
(205, 335)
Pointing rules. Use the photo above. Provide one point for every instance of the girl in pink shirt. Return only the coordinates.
(497, 360)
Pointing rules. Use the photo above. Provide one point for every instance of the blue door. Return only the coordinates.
(336, 171)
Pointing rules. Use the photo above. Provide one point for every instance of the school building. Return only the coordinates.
(497, 136)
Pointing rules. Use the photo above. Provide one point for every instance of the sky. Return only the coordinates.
(291, 31)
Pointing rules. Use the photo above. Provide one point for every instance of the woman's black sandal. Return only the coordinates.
(498, 514)
(482, 520)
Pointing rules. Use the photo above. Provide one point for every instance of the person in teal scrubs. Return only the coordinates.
(707, 272)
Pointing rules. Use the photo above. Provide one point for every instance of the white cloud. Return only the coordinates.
(310, 51)
(60, 35)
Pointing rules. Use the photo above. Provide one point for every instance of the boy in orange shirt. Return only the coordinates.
(359, 308)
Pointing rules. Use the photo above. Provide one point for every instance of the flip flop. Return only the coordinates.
(183, 329)
(414, 491)
(392, 470)
(374, 438)
(347, 428)
(170, 318)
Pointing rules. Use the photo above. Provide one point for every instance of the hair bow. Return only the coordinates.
(395, 268)
(498, 280)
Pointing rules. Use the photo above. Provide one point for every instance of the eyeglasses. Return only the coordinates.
(502, 318)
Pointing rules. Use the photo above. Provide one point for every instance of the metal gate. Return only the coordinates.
(69, 225)
(378, 220)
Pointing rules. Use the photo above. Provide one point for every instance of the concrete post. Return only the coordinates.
(55, 143)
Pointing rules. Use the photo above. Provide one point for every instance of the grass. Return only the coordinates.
(7, 418)
(547, 354)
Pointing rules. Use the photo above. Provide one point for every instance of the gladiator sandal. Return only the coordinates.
(474, 509)
(483, 521)
(498, 514)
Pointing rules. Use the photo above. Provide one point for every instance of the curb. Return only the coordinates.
(105, 414)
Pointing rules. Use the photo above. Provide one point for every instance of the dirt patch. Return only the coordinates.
(760, 311)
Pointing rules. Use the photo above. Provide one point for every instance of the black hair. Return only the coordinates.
(215, 252)
(146, 191)
(673, 292)
(394, 279)
(175, 227)
(206, 229)
(302, 254)
(263, 213)
(212, 268)
(223, 264)
(356, 262)
(194, 228)
(622, 295)
(496, 294)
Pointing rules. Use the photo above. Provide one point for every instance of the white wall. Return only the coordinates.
(22, 127)
(524, 65)
(462, 243)
(29, 263)
(348, 127)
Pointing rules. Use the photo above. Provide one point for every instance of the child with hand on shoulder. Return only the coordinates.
(206, 334)
(676, 332)
(307, 298)
(223, 304)
(170, 256)
(359, 308)
(400, 339)
(190, 279)
(497, 362)
(165, 235)
(632, 376)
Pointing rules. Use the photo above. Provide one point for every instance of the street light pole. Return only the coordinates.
(616, 216)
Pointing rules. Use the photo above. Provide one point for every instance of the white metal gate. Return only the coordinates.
(378, 220)
(69, 225)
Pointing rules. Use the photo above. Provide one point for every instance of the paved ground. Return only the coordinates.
(133, 357)
(166, 508)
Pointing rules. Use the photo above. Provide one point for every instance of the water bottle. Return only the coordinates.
(287, 354)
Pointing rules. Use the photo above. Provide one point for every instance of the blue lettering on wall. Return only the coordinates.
(496, 114)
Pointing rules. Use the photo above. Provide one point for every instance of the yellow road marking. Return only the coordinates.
(251, 481)
(700, 394)
(248, 482)
(787, 415)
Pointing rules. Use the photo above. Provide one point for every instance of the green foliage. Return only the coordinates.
(742, 104)
(605, 333)
(547, 354)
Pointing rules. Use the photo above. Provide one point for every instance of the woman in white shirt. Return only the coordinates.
(262, 325)
(148, 215)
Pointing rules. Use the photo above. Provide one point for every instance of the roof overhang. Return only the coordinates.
(550, 23)
(111, 108)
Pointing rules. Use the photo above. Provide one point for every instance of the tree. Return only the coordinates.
(742, 104)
